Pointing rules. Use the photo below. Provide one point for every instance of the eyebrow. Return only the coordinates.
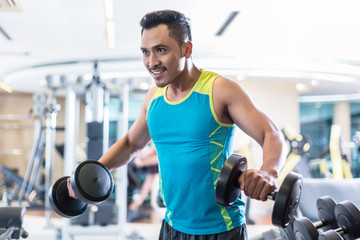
(154, 47)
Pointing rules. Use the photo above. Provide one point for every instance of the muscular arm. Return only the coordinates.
(135, 139)
(232, 104)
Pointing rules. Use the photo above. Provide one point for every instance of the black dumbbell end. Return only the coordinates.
(330, 235)
(227, 187)
(304, 229)
(348, 219)
(326, 206)
(62, 203)
(92, 182)
(287, 200)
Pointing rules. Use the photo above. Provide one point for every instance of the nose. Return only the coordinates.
(153, 60)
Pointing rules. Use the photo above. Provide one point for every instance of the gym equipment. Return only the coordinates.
(92, 183)
(286, 199)
(287, 233)
(295, 159)
(102, 214)
(11, 223)
(97, 98)
(11, 182)
(36, 158)
(75, 93)
(348, 221)
(305, 229)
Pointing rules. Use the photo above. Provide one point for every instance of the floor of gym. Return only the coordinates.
(146, 229)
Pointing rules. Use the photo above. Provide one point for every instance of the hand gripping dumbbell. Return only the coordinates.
(286, 199)
(92, 183)
(348, 221)
(305, 229)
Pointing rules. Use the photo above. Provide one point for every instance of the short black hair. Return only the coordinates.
(177, 23)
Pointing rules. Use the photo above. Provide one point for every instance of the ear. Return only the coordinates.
(187, 49)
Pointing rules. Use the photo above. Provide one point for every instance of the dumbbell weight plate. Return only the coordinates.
(62, 203)
(287, 233)
(348, 217)
(92, 182)
(227, 187)
(330, 235)
(304, 229)
(287, 200)
(326, 206)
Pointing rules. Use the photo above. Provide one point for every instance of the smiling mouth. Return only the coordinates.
(157, 72)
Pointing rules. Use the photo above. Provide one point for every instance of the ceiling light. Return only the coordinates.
(109, 9)
(11, 6)
(314, 82)
(6, 87)
(110, 25)
(300, 87)
(110, 34)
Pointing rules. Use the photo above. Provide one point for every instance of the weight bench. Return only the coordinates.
(338, 189)
(11, 223)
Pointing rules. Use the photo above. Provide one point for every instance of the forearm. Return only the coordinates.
(119, 154)
(274, 153)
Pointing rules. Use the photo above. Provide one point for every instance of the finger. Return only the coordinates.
(70, 190)
(250, 183)
(267, 189)
(258, 188)
(241, 181)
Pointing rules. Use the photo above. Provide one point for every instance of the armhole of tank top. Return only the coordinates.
(212, 105)
(156, 94)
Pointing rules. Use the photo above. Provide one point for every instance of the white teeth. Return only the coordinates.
(157, 72)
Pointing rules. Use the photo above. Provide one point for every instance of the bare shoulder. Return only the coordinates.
(228, 98)
(226, 89)
(148, 97)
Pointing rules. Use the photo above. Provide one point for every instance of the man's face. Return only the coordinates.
(162, 55)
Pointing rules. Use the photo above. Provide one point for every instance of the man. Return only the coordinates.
(190, 115)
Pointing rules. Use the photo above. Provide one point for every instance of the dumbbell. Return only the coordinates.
(286, 199)
(92, 183)
(348, 221)
(287, 233)
(305, 229)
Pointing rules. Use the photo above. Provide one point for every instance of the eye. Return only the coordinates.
(161, 50)
(145, 52)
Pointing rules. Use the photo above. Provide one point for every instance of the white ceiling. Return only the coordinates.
(315, 42)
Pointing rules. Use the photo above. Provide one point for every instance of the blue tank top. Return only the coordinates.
(192, 146)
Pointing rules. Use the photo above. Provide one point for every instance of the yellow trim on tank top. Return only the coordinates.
(200, 87)
(207, 89)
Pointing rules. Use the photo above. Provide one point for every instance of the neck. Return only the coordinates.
(187, 79)
(184, 82)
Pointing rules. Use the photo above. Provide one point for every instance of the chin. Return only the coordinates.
(160, 85)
